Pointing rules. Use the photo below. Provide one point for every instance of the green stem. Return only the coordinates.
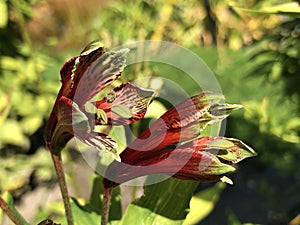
(56, 158)
(105, 205)
(9, 212)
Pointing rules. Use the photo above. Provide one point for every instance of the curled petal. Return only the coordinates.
(101, 73)
(71, 121)
(73, 70)
(126, 104)
(65, 117)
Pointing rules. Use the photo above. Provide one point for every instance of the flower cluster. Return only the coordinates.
(78, 107)
(172, 146)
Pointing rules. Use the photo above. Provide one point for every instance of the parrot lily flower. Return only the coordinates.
(75, 113)
(172, 146)
(78, 107)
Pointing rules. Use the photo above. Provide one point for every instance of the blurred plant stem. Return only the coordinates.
(72, 176)
(105, 205)
(4, 206)
(57, 162)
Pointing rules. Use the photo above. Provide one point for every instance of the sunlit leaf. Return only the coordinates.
(11, 133)
(5, 103)
(158, 206)
(83, 215)
(155, 110)
(3, 14)
(291, 9)
(203, 203)
(31, 124)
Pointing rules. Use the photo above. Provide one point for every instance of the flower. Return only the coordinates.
(82, 103)
(172, 146)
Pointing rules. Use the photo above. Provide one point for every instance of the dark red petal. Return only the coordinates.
(101, 73)
(204, 159)
(128, 104)
(181, 123)
(184, 162)
(66, 70)
(73, 70)
(65, 118)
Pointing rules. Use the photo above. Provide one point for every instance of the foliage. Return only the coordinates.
(254, 53)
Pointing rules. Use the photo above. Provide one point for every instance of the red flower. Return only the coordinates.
(75, 112)
(172, 146)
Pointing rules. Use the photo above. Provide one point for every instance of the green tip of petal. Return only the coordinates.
(230, 149)
(92, 47)
(216, 167)
(245, 150)
(116, 156)
(233, 107)
(221, 111)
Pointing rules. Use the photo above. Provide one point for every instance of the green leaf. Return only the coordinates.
(10, 202)
(15, 171)
(95, 204)
(166, 202)
(203, 203)
(291, 9)
(3, 14)
(83, 215)
(30, 124)
(155, 110)
(11, 133)
(5, 104)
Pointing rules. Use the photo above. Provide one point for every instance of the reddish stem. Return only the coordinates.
(9, 212)
(56, 158)
(105, 205)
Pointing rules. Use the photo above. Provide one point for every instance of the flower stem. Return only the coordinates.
(105, 205)
(9, 212)
(56, 158)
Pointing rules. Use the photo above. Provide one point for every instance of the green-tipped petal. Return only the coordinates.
(216, 168)
(230, 149)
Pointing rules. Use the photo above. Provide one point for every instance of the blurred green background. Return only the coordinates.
(253, 47)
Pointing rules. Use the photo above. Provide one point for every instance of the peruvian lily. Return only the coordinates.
(75, 113)
(82, 104)
(172, 146)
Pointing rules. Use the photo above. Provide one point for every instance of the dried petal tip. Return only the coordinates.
(226, 180)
